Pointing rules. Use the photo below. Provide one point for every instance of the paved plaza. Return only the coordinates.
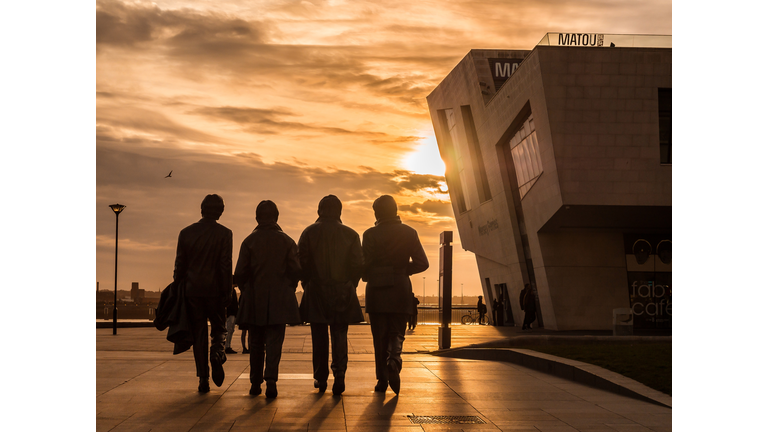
(141, 386)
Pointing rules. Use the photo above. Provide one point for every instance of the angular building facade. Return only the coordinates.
(559, 168)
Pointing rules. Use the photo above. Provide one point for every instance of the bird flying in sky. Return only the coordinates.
(169, 174)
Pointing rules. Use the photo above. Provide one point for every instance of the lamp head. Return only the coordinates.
(117, 208)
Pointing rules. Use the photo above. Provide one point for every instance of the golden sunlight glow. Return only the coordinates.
(426, 159)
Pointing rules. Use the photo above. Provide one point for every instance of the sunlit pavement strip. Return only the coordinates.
(141, 386)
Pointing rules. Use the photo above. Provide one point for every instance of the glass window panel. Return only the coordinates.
(518, 168)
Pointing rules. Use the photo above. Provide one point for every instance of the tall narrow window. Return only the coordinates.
(525, 153)
(478, 164)
(455, 175)
(665, 125)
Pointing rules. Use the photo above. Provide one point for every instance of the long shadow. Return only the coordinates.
(379, 411)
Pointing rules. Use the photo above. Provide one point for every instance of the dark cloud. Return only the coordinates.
(149, 121)
(436, 207)
(127, 25)
(415, 182)
(270, 121)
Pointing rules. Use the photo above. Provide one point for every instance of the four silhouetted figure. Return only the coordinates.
(392, 253)
(203, 268)
(329, 260)
(332, 262)
(267, 274)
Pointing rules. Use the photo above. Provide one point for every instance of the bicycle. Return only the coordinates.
(473, 318)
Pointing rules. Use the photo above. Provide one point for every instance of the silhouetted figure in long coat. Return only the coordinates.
(267, 273)
(391, 253)
(332, 263)
(528, 304)
(204, 268)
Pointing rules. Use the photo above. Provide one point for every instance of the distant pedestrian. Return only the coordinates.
(528, 304)
(392, 253)
(204, 267)
(332, 263)
(267, 273)
(498, 310)
(414, 314)
(231, 314)
(244, 339)
(481, 309)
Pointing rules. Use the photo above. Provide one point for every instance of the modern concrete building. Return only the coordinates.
(559, 167)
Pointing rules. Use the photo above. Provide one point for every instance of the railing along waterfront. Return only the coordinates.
(427, 314)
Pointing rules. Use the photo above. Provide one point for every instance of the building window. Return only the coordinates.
(525, 153)
(455, 173)
(665, 125)
(478, 164)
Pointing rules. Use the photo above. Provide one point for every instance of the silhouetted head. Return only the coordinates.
(330, 207)
(479, 297)
(266, 212)
(212, 207)
(384, 207)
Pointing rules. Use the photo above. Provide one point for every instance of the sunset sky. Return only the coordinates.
(291, 101)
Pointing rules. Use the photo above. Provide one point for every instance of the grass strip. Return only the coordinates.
(646, 363)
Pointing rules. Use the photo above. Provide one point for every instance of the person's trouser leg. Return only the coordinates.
(256, 338)
(275, 335)
(217, 317)
(339, 350)
(319, 351)
(230, 331)
(379, 335)
(395, 335)
(199, 323)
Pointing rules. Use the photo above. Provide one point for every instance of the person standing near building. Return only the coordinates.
(392, 253)
(497, 312)
(267, 273)
(332, 263)
(528, 304)
(231, 314)
(481, 309)
(204, 268)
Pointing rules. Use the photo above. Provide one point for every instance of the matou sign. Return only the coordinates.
(502, 69)
(580, 39)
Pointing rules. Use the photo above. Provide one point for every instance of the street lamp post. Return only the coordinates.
(117, 208)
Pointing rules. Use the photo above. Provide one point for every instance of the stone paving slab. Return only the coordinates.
(141, 386)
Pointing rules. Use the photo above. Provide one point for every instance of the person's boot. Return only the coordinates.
(271, 389)
(217, 368)
(203, 386)
(321, 386)
(255, 390)
(381, 386)
(338, 385)
(394, 377)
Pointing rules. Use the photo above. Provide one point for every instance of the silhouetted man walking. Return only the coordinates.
(332, 264)
(391, 253)
(267, 273)
(204, 268)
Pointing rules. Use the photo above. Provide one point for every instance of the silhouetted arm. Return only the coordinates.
(419, 261)
(355, 261)
(293, 267)
(225, 268)
(242, 269)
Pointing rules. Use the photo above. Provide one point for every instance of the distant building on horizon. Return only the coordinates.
(559, 168)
